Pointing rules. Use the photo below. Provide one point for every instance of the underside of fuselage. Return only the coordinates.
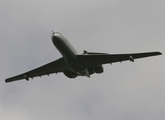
(69, 54)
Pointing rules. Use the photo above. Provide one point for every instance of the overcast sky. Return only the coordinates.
(125, 91)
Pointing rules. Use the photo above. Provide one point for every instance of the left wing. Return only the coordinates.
(53, 67)
(89, 60)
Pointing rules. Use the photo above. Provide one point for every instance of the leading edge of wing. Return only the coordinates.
(52, 67)
(88, 60)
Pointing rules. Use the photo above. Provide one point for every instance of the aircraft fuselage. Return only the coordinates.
(69, 53)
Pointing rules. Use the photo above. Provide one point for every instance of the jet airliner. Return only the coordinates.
(72, 64)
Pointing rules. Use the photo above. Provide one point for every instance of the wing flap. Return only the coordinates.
(53, 67)
(89, 60)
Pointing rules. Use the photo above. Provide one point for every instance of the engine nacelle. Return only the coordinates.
(70, 74)
(98, 69)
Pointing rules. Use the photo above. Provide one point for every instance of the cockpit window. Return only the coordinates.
(56, 33)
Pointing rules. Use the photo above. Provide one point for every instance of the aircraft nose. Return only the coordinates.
(56, 39)
(55, 35)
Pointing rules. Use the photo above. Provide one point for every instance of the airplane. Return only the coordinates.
(72, 64)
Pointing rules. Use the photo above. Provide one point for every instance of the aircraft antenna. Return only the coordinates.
(53, 32)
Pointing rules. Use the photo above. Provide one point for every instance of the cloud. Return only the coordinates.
(124, 91)
(15, 112)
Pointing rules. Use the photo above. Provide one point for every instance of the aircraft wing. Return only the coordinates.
(89, 60)
(53, 67)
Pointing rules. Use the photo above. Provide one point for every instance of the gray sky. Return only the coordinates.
(125, 91)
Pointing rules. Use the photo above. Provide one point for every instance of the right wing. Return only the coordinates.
(90, 60)
(53, 67)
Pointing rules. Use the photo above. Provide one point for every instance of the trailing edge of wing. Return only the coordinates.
(53, 67)
(88, 60)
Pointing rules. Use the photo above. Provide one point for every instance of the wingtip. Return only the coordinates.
(7, 81)
(159, 53)
(156, 53)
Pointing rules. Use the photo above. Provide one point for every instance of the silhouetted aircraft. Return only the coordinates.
(73, 64)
